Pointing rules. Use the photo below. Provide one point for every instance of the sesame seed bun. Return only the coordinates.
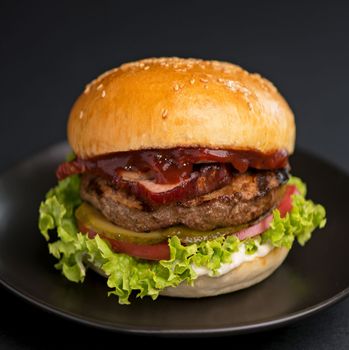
(172, 102)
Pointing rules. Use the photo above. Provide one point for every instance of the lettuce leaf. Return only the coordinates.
(299, 223)
(126, 274)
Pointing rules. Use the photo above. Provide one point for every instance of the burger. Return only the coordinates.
(179, 182)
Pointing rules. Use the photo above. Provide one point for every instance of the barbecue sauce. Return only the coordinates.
(170, 166)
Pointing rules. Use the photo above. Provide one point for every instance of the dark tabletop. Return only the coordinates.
(50, 50)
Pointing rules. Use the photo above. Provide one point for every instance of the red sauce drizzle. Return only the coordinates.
(172, 165)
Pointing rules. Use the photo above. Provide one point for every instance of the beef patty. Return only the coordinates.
(247, 197)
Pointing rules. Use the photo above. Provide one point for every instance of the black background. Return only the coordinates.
(50, 50)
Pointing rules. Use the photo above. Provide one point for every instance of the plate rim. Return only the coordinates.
(234, 330)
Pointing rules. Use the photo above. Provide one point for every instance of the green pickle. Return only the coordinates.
(189, 236)
(93, 220)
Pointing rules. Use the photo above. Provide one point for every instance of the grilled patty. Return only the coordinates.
(247, 197)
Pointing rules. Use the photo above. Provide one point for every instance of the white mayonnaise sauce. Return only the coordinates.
(237, 259)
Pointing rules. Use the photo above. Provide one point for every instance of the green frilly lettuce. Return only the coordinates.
(126, 274)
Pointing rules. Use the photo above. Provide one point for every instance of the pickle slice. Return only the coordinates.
(93, 220)
(190, 236)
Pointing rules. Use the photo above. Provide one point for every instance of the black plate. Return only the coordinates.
(311, 278)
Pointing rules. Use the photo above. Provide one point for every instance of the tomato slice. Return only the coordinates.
(286, 203)
(158, 251)
(161, 251)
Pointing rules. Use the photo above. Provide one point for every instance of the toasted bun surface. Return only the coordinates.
(173, 102)
(246, 275)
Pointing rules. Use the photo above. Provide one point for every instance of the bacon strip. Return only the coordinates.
(70, 168)
(208, 179)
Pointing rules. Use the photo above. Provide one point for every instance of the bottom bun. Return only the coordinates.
(246, 275)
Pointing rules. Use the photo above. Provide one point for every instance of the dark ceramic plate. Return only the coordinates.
(311, 278)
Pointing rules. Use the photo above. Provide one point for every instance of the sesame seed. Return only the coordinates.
(232, 85)
(81, 114)
(250, 105)
(192, 81)
(103, 93)
(204, 80)
(99, 86)
(176, 87)
(146, 67)
(87, 89)
(220, 80)
(164, 113)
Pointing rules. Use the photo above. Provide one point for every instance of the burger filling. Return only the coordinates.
(175, 214)
(195, 194)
